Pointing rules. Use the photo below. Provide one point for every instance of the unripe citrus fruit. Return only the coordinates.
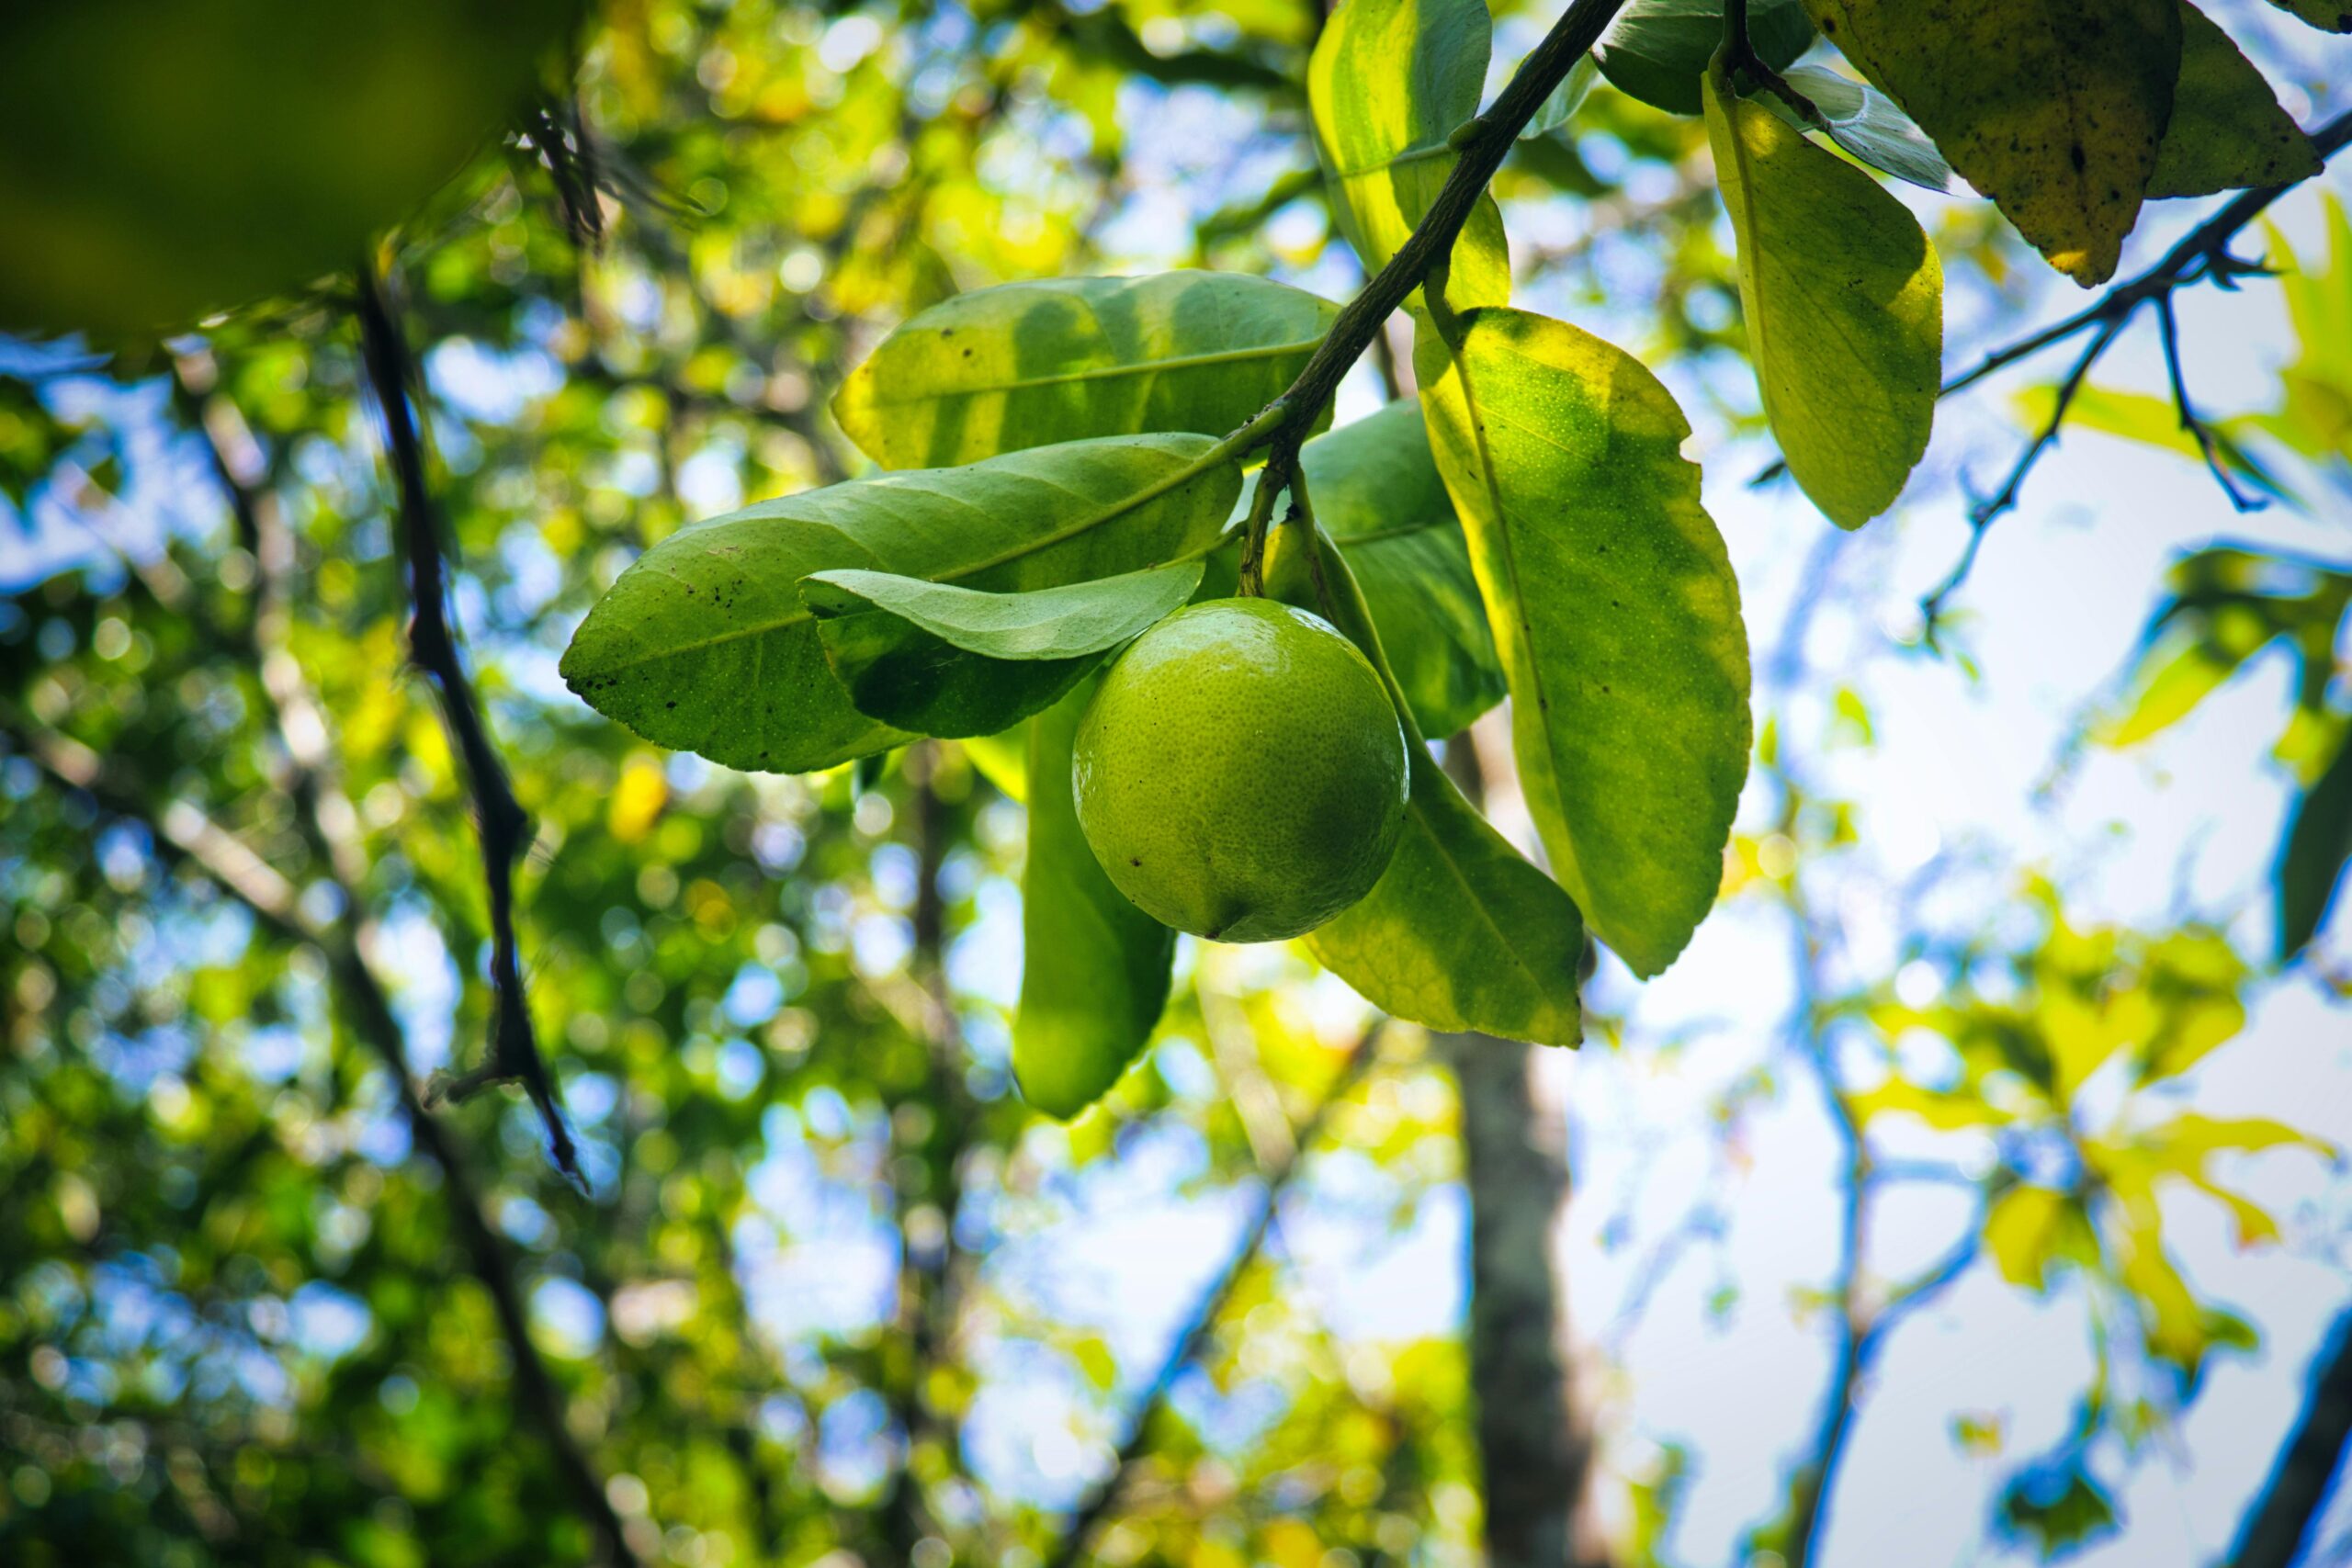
(1241, 773)
(161, 159)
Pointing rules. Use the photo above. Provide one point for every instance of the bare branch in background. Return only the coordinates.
(183, 831)
(505, 829)
(1095, 1506)
(2290, 1503)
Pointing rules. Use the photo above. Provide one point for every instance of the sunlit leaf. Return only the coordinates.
(1390, 82)
(1613, 605)
(704, 644)
(1062, 359)
(1844, 300)
(2053, 111)
(1460, 932)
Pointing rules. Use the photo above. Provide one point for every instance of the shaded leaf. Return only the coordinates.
(1657, 50)
(938, 659)
(1094, 968)
(2331, 15)
(1865, 122)
(1376, 492)
(1390, 82)
(1844, 300)
(2227, 131)
(2053, 110)
(1063, 359)
(1613, 605)
(2058, 1508)
(2311, 866)
(703, 644)
(1046, 623)
(1460, 932)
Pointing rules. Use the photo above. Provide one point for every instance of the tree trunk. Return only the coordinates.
(1534, 1438)
(2282, 1516)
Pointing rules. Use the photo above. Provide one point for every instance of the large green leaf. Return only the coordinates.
(2227, 131)
(1031, 364)
(1376, 491)
(1094, 968)
(1614, 606)
(2319, 844)
(1390, 82)
(1844, 300)
(1460, 932)
(2054, 110)
(704, 644)
(1658, 50)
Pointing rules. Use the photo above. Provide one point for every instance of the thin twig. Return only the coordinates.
(1479, 146)
(2168, 330)
(1088, 1516)
(505, 828)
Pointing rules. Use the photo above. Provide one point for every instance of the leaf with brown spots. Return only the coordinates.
(2228, 132)
(2054, 108)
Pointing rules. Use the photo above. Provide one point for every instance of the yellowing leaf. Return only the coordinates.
(1390, 82)
(1613, 605)
(1844, 300)
(1948, 1111)
(2227, 131)
(2054, 108)
(638, 800)
(2023, 1229)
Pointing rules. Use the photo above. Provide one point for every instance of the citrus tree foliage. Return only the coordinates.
(259, 1302)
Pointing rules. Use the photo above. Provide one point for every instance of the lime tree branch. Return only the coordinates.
(1088, 1516)
(2290, 1501)
(1480, 146)
(2201, 255)
(505, 829)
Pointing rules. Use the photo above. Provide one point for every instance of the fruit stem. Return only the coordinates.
(1273, 480)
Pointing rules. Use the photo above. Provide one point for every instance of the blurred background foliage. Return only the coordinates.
(832, 1294)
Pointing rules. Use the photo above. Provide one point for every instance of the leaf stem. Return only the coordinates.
(1481, 144)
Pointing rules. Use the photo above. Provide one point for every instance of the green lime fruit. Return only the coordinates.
(164, 159)
(1241, 773)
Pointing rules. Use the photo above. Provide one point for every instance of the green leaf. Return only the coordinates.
(2053, 110)
(1003, 759)
(2227, 131)
(1613, 605)
(1865, 122)
(1657, 50)
(1376, 492)
(704, 644)
(937, 660)
(2329, 16)
(1094, 968)
(1844, 300)
(2152, 421)
(1031, 364)
(1390, 82)
(2027, 1228)
(1460, 932)
(2319, 842)
(1561, 105)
